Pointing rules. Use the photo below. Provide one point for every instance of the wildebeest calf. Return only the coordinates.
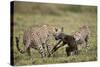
(66, 39)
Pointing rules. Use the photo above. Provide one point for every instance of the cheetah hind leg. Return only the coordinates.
(86, 41)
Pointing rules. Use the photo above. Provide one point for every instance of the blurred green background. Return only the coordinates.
(71, 17)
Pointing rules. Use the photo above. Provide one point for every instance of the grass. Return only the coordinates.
(71, 21)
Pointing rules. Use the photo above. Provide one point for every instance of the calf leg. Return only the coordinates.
(54, 48)
(68, 51)
(57, 47)
(71, 50)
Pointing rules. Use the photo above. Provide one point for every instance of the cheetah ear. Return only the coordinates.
(62, 29)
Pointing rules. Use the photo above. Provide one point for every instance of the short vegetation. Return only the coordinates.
(71, 17)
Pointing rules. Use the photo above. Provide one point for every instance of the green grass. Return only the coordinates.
(71, 21)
